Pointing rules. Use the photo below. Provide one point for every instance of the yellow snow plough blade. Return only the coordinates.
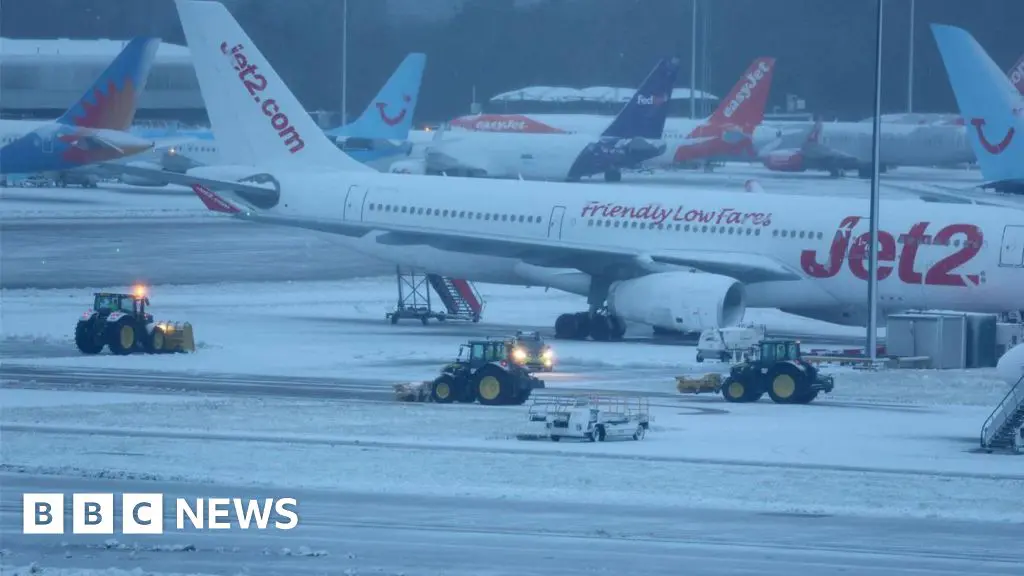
(178, 337)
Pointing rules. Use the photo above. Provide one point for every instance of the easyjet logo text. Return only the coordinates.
(256, 83)
(753, 79)
(658, 214)
(966, 239)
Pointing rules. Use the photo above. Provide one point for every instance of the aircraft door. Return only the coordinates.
(355, 200)
(46, 144)
(555, 224)
(1012, 249)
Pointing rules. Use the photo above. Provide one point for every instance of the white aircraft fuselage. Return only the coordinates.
(933, 255)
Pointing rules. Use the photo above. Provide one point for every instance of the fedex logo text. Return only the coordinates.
(650, 100)
(255, 82)
(144, 513)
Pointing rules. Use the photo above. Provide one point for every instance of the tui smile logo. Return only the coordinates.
(993, 149)
(393, 120)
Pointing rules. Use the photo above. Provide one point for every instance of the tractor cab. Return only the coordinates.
(476, 353)
(772, 351)
(106, 303)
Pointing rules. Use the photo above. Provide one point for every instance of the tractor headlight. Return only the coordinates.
(548, 354)
(519, 355)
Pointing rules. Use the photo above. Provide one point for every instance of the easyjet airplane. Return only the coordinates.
(641, 254)
(733, 131)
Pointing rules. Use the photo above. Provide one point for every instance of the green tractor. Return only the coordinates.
(777, 368)
(483, 372)
(120, 322)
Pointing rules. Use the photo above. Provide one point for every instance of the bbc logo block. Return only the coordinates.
(96, 513)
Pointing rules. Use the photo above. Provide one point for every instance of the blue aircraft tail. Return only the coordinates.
(645, 113)
(992, 108)
(389, 114)
(112, 99)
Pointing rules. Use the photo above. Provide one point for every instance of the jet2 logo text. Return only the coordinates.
(942, 273)
(255, 82)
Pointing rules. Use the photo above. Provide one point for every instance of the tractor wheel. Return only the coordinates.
(786, 384)
(121, 336)
(444, 390)
(156, 342)
(493, 386)
(739, 391)
(87, 337)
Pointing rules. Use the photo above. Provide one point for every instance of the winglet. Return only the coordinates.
(111, 101)
(212, 201)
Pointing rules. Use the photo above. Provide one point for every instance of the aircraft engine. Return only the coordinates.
(408, 167)
(142, 181)
(785, 161)
(684, 301)
(1011, 365)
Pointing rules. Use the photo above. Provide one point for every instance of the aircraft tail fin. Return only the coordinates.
(255, 117)
(993, 110)
(111, 101)
(745, 104)
(389, 115)
(645, 113)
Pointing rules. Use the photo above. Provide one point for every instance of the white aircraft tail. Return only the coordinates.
(255, 117)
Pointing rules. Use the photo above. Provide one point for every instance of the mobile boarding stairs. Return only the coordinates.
(460, 298)
(1003, 431)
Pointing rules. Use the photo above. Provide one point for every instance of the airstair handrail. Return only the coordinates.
(1000, 415)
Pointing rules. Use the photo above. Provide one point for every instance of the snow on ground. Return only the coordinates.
(35, 570)
(325, 328)
(110, 200)
(818, 458)
(11, 398)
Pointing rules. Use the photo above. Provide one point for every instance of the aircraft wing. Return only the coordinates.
(252, 192)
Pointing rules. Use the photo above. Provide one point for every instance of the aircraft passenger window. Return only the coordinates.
(420, 211)
(404, 209)
(371, 205)
(522, 218)
(730, 230)
(776, 233)
(819, 235)
(495, 216)
(462, 214)
(704, 229)
(529, 219)
(616, 223)
(792, 233)
(387, 208)
(607, 223)
(757, 232)
(504, 217)
(487, 216)
(722, 230)
(801, 233)
(445, 213)
(590, 222)
(479, 215)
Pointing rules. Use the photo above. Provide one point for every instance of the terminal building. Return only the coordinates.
(42, 78)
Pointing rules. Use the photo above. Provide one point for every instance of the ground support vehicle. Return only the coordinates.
(528, 349)
(776, 367)
(592, 418)
(696, 385)
(121, 323)
(728, 344)
(482, 372)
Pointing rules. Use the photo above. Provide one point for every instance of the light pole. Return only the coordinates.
(873, 248)
(693, 61)
(344, 62)
(910, 67)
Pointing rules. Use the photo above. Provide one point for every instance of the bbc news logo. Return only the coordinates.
(144, 513)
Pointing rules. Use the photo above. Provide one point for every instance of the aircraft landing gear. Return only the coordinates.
(602, 327)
